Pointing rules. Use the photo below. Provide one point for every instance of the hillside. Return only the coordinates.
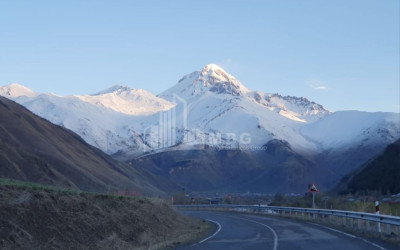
(380, 173)
(38, 217)
(33, 149)
(276, 168)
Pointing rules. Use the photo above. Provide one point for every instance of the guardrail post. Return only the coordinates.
(359, 224)
(344, 221)
(388, 229)
(367, 223)
(351, 222)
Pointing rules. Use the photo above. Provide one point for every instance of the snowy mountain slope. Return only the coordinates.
(346, 128)
(128, 100)
(217, 103)
(353, 132)
(238, 121)
(295, 108)
(98, 126)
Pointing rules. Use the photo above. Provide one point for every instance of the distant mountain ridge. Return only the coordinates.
(212, 108)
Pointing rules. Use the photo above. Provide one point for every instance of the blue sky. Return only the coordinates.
(341, 54)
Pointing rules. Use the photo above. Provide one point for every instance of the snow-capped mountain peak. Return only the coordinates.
(219, 81)
(15, 90)
(216, 72)
(212, 78)
(114, 89)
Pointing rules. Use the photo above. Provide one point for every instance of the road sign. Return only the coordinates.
(313, 188)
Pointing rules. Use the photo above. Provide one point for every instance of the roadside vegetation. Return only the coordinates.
(359, 202)
(43, 217)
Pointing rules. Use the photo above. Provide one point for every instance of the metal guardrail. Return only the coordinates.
(385, 219)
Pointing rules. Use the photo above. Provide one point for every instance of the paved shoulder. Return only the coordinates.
(241, 231)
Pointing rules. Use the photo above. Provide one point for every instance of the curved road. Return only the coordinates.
(244, 231)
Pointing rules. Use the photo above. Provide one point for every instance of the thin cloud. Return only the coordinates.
(317, 85)
(225, 63)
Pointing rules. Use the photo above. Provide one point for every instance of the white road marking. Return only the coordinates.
(270, 228)
(376, 245)
(334, 230)
(209, 237)
(350, 235)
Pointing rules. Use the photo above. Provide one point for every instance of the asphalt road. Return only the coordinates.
(244, 231)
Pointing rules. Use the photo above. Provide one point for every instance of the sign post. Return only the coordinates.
(313, 189)
(313, 200)
(377, 212)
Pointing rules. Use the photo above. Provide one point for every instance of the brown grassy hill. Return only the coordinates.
(38, 217)
(33, 149)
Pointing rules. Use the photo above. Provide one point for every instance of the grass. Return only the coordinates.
(23, 185)
(35, 186)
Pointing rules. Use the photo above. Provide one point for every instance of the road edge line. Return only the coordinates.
(350, 235)
(209, 237)
(270, 228)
